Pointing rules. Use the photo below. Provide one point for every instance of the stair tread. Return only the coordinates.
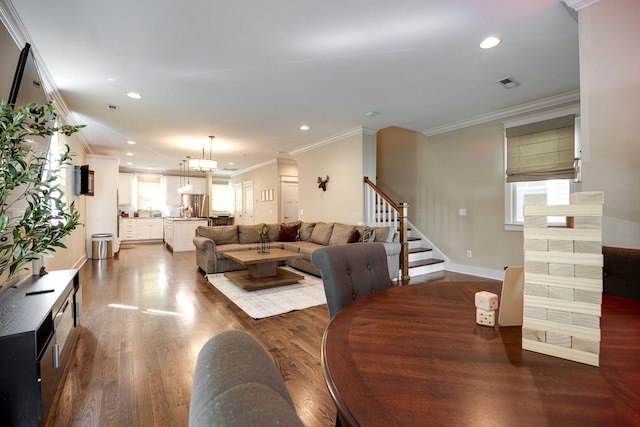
(418, 250)
(412, 239)
(424, 262)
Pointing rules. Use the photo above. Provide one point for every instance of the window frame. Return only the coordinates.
(510, 224)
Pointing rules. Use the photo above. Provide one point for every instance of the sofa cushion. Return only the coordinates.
(248, 233)
(221, 235)
(274, 232)
(289, 232)
(355, 237)
(297, 246)
(321, 233)
(306, 228)
(384, 234)
(341, 234)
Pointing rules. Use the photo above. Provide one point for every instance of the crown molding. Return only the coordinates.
(551, 101)
(346, 134)
(579, 4)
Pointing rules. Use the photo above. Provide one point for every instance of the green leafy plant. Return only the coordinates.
(263, 232)
(34, 217)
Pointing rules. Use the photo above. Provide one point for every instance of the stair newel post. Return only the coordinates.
(403, 208)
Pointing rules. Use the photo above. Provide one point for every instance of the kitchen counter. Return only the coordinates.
(179, 232)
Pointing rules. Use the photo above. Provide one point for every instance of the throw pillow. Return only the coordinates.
(355, 237)
(289, 232)
(341, 234)
(384, 234)
(306, 228)
(274, 232)
(366, 233)
(321, 233)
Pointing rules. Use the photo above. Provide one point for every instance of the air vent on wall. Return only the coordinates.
(508, 83)
(113, 108)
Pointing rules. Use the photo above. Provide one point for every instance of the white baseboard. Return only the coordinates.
(475, 271)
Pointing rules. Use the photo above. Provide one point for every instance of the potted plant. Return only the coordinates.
(34, 217)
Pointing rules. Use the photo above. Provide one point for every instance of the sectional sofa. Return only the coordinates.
(211, 243)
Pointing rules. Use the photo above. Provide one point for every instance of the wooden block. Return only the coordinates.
(564, 258)
(585, 345)
(533, 335)
(565, 270)
(560, 340)
(587, 247)
(560, 245)
(511, 298)
(536, 244)
(593, 297)
(535, 222)
(562, 210)
(567, 282)
(535, 199)
(561, 233)
(586, 320)
(587, 198)
(536, 267)
(535, 312)
(536, 290)
(588, 272)
(560, 316)
(585, 223)
(565, 294)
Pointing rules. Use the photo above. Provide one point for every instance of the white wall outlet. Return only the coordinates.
(469, 254)
(462, 212)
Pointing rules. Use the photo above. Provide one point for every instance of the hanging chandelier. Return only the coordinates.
(187, 187)
(203, 164)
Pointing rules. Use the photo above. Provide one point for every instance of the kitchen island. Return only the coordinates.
(179, 232)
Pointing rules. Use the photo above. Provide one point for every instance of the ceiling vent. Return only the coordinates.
(508, 83)
(113, 108)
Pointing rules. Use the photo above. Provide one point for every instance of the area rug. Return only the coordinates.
(262, 303)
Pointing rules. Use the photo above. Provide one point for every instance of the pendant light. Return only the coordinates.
(203, 164)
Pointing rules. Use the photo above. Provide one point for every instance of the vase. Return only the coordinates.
(264, 245)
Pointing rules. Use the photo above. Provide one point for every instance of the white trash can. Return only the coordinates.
(101, 246)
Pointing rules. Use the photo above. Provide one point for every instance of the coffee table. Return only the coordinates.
(262, 269)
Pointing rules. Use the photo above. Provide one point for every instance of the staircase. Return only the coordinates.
(416, 255)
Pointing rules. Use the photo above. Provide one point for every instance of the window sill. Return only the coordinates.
(513, 227)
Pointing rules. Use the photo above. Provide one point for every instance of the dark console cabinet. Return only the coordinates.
(39, 321)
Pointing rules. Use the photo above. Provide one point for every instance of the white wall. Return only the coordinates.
(610, 99)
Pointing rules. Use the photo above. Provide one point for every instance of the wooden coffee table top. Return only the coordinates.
(253, 257)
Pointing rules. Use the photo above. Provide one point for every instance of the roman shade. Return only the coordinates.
(542, 150)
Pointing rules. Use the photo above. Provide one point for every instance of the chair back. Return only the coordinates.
(351, 271)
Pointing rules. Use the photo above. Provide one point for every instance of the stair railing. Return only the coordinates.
(381, 211)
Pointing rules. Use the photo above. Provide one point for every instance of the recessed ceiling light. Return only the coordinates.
(489, 42)
(304, 127)
(231, 163)
(129, 154)
(131, 142)
(371, 114)
(134, 95)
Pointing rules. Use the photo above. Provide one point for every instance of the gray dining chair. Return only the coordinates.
(350, 272)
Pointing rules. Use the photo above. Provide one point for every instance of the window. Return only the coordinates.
(221, 197)
(540, 158)
(149, 192)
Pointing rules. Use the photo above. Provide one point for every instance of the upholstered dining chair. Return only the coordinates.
(351, 271)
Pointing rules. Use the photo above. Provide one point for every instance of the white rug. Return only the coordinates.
(262, 303)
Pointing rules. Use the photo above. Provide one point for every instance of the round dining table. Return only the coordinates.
(414, 355)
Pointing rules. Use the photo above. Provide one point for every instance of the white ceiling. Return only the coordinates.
(252, 72)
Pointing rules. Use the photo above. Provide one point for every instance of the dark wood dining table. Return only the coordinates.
(413, 355)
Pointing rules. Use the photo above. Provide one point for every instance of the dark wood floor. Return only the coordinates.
(146, 314)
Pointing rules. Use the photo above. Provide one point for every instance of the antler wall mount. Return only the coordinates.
(323, 183)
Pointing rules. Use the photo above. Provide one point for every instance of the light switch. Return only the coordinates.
(462, 212)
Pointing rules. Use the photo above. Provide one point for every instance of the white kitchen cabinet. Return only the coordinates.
(198, 186)
(125, 189)
(172, 184)
(182, 231)
(141, 229)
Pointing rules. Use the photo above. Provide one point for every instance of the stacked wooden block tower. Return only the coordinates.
(563, 278)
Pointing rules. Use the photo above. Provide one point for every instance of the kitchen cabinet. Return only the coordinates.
(39, 323)
(198, 186)
(172, 185)
(181, 232)
(141, 229)
(125, 189)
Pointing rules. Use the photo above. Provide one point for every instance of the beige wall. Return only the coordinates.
(264, 177)
(75, 253)
(610, 93)
(342, 161)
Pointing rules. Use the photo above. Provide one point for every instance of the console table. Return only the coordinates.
(39, 321)
(413, 355)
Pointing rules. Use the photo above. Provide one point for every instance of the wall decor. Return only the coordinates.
(323, 183)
